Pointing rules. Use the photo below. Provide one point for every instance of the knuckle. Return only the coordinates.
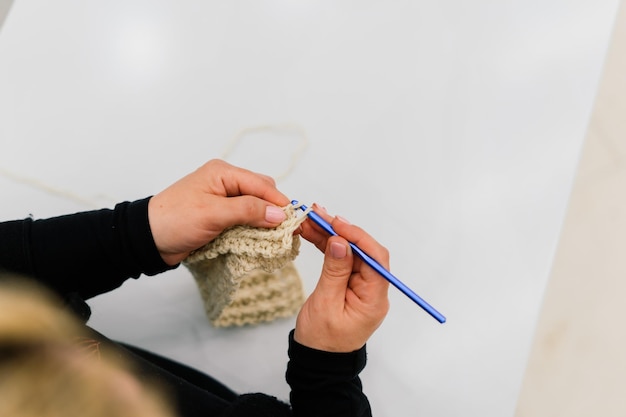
(249, 208)
(334, 270)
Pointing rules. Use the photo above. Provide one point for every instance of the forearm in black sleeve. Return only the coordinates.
(88, 253)
(326, 383)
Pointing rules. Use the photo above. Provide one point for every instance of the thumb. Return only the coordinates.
(337, 268)
(251, 211)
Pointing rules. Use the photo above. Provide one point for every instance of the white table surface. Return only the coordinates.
(449, 130)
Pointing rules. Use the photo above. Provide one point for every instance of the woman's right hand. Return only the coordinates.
(350, 300)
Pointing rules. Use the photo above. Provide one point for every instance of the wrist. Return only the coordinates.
(327, 343)
(323, 360)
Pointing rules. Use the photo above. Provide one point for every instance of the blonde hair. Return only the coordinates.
(50, 367)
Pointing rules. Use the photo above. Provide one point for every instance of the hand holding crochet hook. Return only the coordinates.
(382, 270)
(350, 300)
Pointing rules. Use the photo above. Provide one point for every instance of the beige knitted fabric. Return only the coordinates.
(246, 274)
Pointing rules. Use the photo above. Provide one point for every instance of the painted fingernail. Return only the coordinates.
(274, 214)
(343, 219)
(338, 250)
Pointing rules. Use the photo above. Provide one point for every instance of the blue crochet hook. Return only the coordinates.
(375, 265)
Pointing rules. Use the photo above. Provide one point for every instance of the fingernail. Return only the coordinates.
(343, 219)
(274, 214)
(319, 208)
(338, 251)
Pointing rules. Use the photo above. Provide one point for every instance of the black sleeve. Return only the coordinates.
(88, 253)
(326, 383)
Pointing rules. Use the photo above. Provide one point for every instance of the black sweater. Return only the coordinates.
(84, 254)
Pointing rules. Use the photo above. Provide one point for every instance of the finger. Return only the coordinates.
(247, 183)
(336, 270)
(372, 290)
(362, 239)
(237, 181)
(251, 211)
(314, 233)
(266, 177)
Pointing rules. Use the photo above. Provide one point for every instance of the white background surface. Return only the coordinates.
(450, 131)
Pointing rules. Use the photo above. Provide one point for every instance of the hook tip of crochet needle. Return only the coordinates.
(298, 205)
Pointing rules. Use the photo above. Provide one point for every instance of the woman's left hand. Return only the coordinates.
(197, 208)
